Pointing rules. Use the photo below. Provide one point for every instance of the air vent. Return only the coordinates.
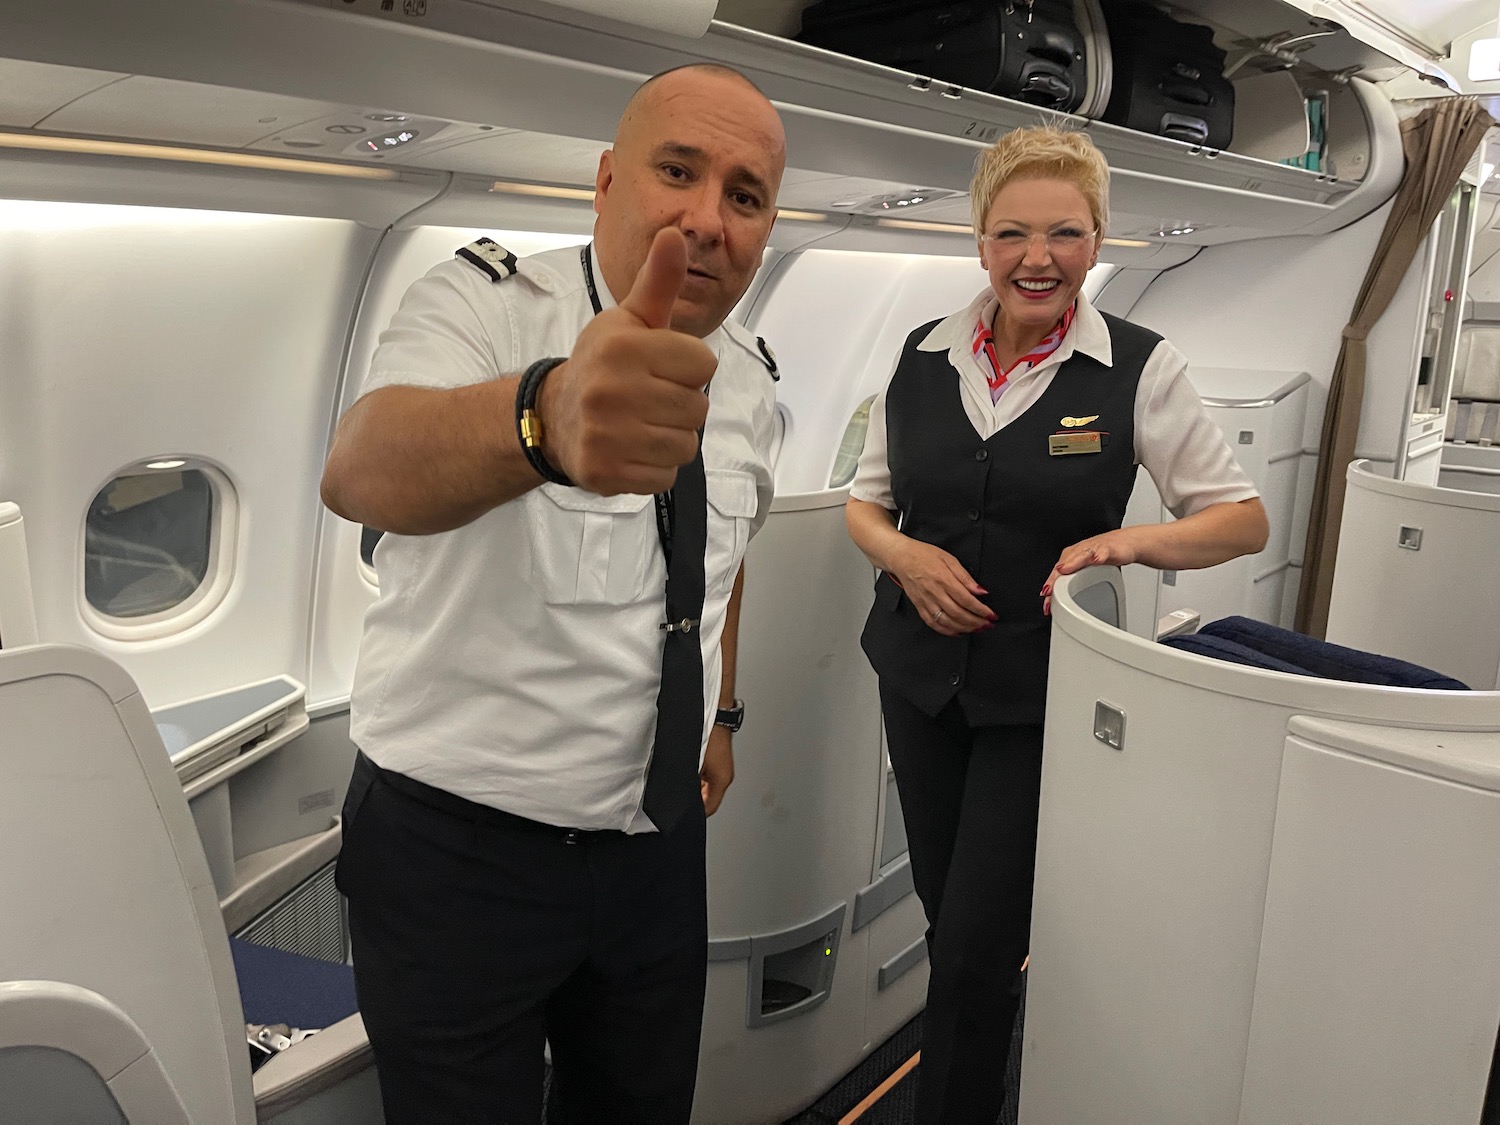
(309, 921)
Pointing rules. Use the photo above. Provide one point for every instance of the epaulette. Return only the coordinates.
(768, 358)
(489, 258)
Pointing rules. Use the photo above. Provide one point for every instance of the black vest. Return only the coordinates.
(1006, 509)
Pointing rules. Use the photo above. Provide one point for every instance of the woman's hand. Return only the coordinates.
(944, 593)
(1113, 548)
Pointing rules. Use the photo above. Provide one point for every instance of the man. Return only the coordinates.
(524, 832)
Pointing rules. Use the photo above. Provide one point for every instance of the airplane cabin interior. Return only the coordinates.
(1262, 897)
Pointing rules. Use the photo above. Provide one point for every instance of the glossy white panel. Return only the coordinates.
(1273, 304)
(865, 304)
(140, 332)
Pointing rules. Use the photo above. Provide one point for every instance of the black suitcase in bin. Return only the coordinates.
(1168, 77)
(1029, 50)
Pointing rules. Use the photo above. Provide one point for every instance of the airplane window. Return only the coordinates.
(148, 542)
(851, 446)
(368, 537)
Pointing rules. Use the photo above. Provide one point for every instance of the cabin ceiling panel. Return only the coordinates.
(1449, 19)
(777, 17)
(185, 112)
(826, 191)
(543, 157)
(29, 91)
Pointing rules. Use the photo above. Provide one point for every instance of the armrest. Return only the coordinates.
(311, 1066)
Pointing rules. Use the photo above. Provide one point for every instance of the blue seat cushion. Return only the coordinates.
(1217, 648)
(1326, 660)
(281, 987)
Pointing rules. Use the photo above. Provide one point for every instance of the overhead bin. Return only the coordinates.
(1260, 897)
(846, 120)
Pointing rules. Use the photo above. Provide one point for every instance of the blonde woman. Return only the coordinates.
(1001, 455)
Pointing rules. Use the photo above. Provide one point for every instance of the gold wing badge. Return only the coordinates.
(1071, 422)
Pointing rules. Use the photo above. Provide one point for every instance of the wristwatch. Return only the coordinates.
(731, 718)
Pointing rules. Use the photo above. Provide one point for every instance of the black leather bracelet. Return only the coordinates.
(529, 424)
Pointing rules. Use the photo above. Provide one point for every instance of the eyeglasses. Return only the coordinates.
(1063, 240)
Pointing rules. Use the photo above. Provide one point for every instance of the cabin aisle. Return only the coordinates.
(868, 1096)
(882, 1090)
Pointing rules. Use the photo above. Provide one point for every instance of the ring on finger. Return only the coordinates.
(938, 616)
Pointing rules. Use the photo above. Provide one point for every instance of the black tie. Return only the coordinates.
(672, 778)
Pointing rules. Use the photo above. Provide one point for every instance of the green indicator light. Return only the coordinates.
(827, 953)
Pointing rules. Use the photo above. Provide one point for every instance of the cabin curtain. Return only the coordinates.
(1438, 143)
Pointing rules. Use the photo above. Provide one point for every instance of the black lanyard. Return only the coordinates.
(666, 506)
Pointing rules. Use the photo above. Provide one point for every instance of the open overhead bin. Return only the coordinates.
(863, 137)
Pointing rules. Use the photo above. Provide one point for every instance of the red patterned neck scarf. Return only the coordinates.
(984, 343)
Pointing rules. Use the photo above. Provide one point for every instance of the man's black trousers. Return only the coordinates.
(477, 935)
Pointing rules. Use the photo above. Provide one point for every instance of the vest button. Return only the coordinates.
(955, 679)
(981, 454)
(973, 513)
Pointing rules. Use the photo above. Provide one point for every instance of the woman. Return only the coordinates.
(1001, 455)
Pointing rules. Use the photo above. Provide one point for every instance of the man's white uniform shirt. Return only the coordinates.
(515, 661)
(1175, 439)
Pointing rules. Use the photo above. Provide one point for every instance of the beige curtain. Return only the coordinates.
(1438, 143)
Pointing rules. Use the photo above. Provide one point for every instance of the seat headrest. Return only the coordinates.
(1324, 659)
(1217, 648)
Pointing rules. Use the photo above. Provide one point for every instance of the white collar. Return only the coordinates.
(955, 334)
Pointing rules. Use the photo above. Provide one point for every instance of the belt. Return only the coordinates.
(464, 809)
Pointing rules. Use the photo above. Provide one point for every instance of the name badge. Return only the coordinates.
(1067, 444)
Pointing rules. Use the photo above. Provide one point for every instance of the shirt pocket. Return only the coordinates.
(732, 503)
(588, 549)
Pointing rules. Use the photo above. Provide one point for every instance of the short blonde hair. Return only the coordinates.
(1041, 152)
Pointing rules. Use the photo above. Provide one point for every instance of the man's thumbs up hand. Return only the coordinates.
(624, 411)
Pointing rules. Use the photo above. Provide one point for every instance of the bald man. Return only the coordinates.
(568, 454)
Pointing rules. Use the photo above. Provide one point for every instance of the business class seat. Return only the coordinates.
(118, 990)
(1241, 640)
(1262, 896)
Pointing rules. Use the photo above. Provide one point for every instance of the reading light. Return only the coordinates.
(85, 147)
(391, 140)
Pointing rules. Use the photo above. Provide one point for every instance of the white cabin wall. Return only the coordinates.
(1275, 304)
(1281, 305)
(837, 320)
(134, 332)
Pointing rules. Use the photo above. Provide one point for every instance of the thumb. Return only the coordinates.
(661, 277)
